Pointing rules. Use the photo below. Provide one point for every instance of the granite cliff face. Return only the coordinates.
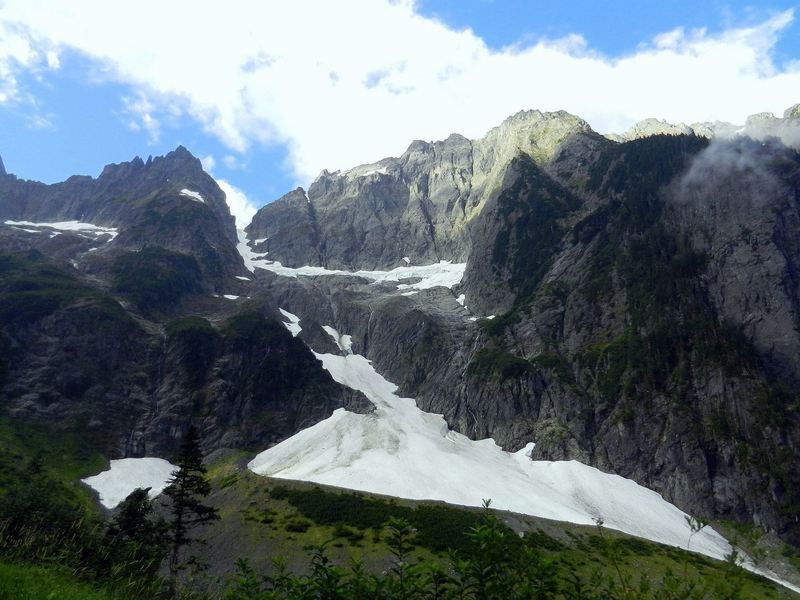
(418, 206)
(631, 304)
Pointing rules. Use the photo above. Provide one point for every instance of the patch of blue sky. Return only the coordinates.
(75, 120)
(613, 28)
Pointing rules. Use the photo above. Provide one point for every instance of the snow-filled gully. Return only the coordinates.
(399, 450)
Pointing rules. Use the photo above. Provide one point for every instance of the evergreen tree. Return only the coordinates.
(187, 490)
(135, 536)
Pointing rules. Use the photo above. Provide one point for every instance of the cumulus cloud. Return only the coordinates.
(240, 205)
(140, 112)
(343, 83)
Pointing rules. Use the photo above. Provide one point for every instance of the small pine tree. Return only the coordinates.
(187, 490)
(135, 535)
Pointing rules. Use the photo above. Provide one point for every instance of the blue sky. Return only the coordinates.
(269, 95)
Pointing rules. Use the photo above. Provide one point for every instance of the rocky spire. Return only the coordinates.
(2, 167)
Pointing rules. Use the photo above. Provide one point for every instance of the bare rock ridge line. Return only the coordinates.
(643, 295)
(419, 205)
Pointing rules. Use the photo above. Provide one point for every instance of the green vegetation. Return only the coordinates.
(64, 457)
(400, 549)
(31, 582)
(156, 279)
(275, 365)
(438, 528)
(494, 363)
(187, 492)
(50, 525)
(492, 562)
(198, 341)
(532, 211)
(31, 289)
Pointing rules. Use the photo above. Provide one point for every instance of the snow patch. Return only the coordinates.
(193, 195)
(84, 229)
(406, 260)
(251, 259)
(444, 273)
(461, 299)
(243, 278)
(127, 474)
(294, 322)
(401, 451)
(230, 296)
(409, 293)
(344, 342)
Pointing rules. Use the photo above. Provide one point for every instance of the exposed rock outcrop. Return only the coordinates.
(419, 205)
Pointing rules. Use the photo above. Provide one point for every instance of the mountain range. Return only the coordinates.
(629, 302)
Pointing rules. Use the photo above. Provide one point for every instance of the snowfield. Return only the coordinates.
(84, 229)
(195, 196)
(127, 474)
(443, 273)
(293, 325)
(401, 451)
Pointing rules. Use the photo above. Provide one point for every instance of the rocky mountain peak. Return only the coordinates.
(535, 133)
(2, 167)
(793, 112)
(650, 127)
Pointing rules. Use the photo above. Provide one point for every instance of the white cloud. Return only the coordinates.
(241, 207)
(39, 121)
(232, 162)
(141, 112)
(239, 204)
(208, 162)
(342, 83)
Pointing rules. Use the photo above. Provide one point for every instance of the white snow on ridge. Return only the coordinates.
(249, 257)
(461, 299)
(230, 296)
(196, 196)
(76, 226)
(294, 322)
(444, 273)
(127, 474)
(401, 451)
(344, 342)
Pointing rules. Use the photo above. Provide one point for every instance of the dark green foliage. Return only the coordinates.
(187, 491)
(275, 365)
(493, 564)
(438, 528)
(156, 279)
(44, 521)
(136, 536)
(197, 341)
(643, 166)
(495, 363)
(31, 289)
(532, 210)
(556, 363)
